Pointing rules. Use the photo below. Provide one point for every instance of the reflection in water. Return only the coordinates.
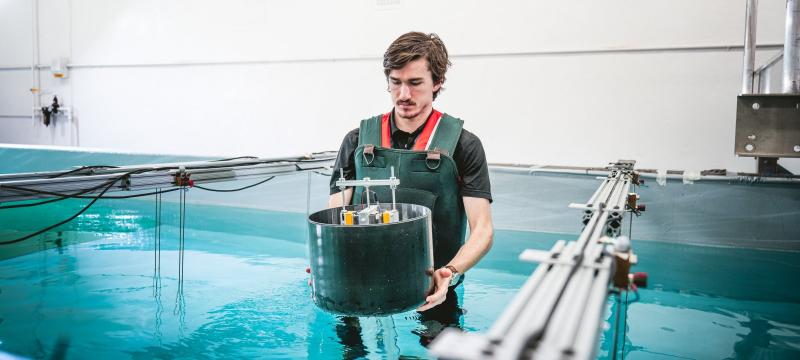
(767, 339)
(757, 338)
(250, 298)
(358, 335)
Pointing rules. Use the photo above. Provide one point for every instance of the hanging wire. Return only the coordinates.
(624, 326)
(108, 185)
(91, 167)
(179, 297)
(157, 264)
(14, 241)
(237, 189)
(157, 246)
(61, 196)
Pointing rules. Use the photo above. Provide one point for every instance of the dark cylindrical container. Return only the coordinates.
(371, 270)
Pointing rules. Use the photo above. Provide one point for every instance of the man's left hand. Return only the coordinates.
(441, 281)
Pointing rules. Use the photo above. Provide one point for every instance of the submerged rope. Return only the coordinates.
(157, 263)
(157, 246)
(180, 302)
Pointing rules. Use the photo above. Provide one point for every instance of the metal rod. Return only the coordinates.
(512, 311)
(765, 81)
(342, 188)
(394, 204)
(366, 190)
(771, 62)
(791, 49)
(748, 63)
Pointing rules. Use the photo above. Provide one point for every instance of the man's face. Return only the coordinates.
(412, 89)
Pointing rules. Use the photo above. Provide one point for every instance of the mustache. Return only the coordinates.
(406, 102)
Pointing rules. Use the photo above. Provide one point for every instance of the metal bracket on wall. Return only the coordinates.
(768, 125)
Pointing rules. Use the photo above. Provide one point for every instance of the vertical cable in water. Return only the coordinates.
(630, 225)
(157, 246)
(616, 327)
(624, 326)
(157, 265)
(179, 298)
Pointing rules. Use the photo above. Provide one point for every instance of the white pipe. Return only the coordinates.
(791, 49)
(748, 63)
(530, 170)
(34, 54)
(702, 48)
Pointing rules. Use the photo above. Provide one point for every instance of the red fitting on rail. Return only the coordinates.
(640, 279)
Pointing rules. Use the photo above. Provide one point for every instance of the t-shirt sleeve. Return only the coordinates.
(472, 167)
(345, 160)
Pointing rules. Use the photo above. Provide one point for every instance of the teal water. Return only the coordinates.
(93, 292)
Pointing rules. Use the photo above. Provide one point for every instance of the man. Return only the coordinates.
(445, 170)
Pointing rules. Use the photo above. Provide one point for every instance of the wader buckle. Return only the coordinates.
(368, 150)
(434, 158)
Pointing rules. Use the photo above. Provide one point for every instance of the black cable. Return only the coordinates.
(61, 196)
(234, 190)
(76, 195)
(112, 197)
(235, 158)
(83, 168)
(14, 241)
(98, 197)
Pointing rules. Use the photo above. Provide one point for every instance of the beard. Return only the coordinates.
(407, 109)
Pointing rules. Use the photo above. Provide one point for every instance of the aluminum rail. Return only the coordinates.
(85, 181)
(558, 312)
(791, 48)
(749, 47)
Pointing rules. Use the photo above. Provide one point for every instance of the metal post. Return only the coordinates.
(342, 188)
(791, 49)
(394, 205)
(748, 63)
(765, 81)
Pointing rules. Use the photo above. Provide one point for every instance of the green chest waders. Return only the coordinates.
(428, 178)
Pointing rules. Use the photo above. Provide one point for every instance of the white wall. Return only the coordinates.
(255, 77)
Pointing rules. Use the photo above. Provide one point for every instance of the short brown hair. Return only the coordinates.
(414, 45)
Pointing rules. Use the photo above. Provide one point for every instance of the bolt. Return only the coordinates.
(751, 137)
(797, 148)
(749, 147)
(756, 106)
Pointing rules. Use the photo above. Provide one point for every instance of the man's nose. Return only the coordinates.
(405, 92)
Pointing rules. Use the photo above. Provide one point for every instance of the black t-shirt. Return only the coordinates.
(469, 156)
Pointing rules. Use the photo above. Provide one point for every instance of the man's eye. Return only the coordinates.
(416, 83)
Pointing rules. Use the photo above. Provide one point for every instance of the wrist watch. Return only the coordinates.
(456, 275)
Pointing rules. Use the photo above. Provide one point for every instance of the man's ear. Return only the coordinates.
(437, 86)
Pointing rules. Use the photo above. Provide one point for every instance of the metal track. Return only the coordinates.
(87, 181)
(558, 312)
